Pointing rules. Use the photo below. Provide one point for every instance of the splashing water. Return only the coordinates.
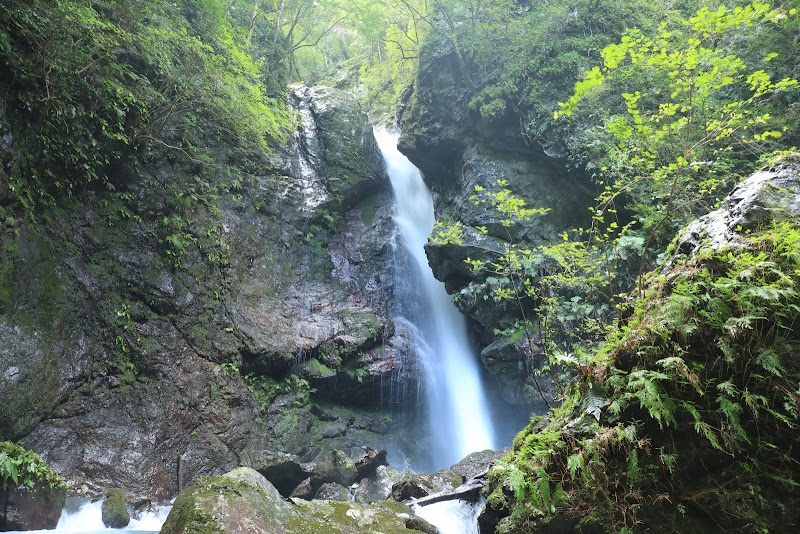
(452, 517)
(455, 401)
(87, 519)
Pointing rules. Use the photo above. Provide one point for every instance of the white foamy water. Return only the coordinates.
(88, 520)
(455, 400)
(452, 517)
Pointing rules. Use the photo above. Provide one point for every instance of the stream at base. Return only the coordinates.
(84, 517)
(452, 517)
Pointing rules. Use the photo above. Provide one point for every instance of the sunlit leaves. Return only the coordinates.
(692, 113)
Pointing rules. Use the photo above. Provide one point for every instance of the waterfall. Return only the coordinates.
(455, 402)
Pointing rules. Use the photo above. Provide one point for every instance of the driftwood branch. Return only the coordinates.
(468, 491)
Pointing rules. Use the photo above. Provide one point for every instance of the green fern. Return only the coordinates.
(770, 361)
(515, 481)
(575, 463)
(643, 385)
(633, 466)
(732, 411)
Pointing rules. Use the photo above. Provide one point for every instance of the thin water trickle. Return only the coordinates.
(455, 401)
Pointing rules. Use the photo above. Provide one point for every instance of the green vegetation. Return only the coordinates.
(21, 467)
(699, 373)
(661, 375)
(677, 389)
(669, 154)
(697, 117)
(95, 85)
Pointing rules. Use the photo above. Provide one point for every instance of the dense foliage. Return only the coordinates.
(686, 414)
(698, 114)
(669, 121)
(93, 85)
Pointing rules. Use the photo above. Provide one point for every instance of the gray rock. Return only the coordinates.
(36, 508)
(478, 462)
(414, 486)
(768, 196)
(378, 486)
(510, 363)
(332, 492)
(79, 291)
(305, 490)
(336, 467)
(244, 499)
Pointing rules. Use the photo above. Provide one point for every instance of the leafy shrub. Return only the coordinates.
(21, 467)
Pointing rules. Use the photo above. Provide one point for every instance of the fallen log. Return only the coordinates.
(468, 491)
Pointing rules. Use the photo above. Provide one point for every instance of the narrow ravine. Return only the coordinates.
(455, 402)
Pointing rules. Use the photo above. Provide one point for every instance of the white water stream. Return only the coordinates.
(87, 519)
(452, 517)
(458, 413)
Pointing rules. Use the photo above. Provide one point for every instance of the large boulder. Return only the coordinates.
(35, 508)
(414, 486)
(243, 499)
(336, 467)
(32, 494)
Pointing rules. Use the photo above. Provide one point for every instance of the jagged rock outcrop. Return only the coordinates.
(137, 330)
(244, 499)
(769, 196)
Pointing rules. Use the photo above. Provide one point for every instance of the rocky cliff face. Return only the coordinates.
(456, 152)
(139, 326)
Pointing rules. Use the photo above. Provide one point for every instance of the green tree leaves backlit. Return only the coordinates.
(696, 117)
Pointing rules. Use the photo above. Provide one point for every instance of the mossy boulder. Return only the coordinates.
(686, 419)
(244, 500)
(336, 467)
(115, 510)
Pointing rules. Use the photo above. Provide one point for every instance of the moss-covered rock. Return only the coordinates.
(334, 466)
(686, 418)
(115, 510)
(243, 499)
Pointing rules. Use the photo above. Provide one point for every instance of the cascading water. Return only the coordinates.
(83, 517)
(455, 402)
